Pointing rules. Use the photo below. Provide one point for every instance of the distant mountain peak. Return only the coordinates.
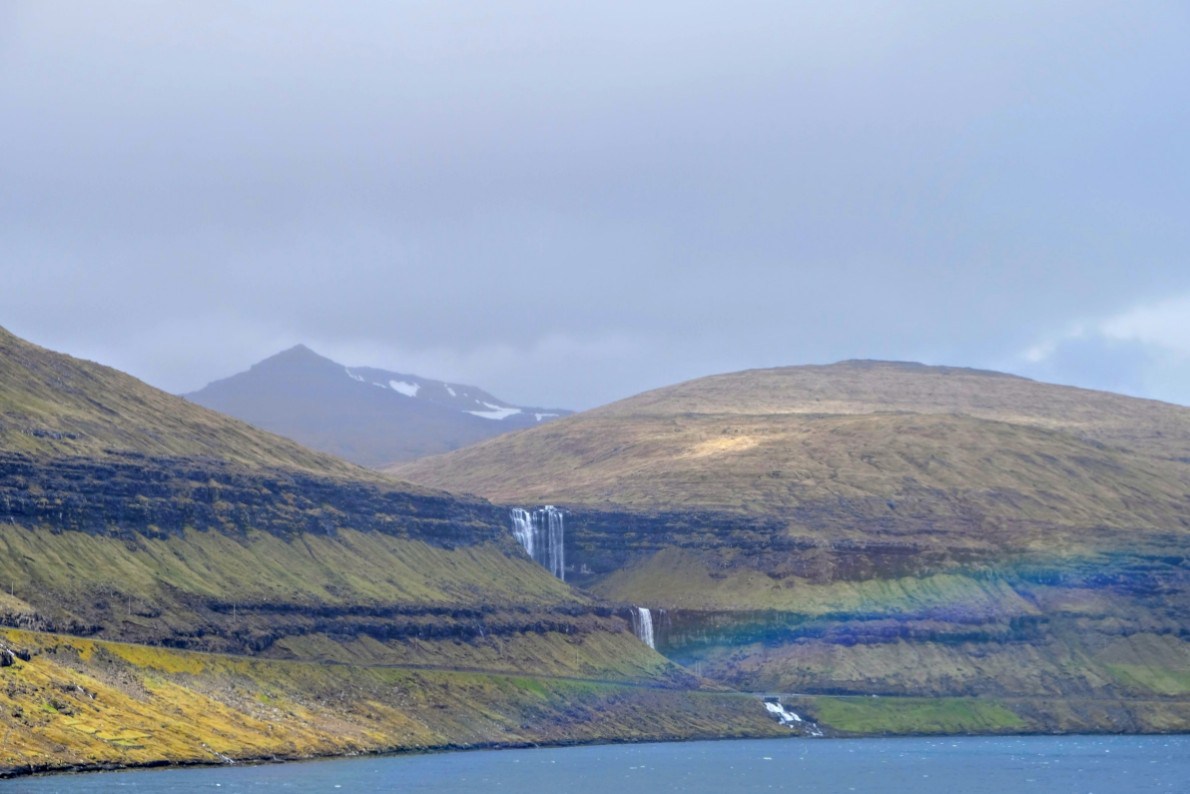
(298, 351)
(291, 362)
(368, 415)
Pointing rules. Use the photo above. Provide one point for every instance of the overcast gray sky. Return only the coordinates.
(568, 203)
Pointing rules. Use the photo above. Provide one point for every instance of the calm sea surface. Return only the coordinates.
(1046, 765)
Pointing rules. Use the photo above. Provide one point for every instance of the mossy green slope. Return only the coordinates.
(58, 406)
(78, 703)
(133, 515)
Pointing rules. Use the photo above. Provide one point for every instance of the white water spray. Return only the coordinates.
(542, 535)
(556, 551)
(642, 625)
(790, 717)
(522, 529)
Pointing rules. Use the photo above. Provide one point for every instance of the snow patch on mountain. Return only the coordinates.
(495, 412)
(404, 387)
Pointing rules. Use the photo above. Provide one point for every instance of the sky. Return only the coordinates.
(569, 203)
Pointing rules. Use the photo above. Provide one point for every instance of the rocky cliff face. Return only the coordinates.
(131, 494)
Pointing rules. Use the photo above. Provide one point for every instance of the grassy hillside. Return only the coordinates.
(79, 703)
(52, 405)
(133, 515)
(867, 387)
(878, 528)
(349, 612)
(731, 443)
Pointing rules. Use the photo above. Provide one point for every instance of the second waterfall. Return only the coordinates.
(642, 625)
(541, 534)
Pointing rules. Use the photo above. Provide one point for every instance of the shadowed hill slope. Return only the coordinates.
(877, 527)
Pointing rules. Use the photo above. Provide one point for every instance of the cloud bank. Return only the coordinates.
(570, 203)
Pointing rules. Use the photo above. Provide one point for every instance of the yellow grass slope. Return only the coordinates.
(877, 436)
(77, 703)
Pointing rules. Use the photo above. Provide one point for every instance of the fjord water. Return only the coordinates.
(1049, 764)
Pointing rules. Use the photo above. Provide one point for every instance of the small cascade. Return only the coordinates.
(542, 535)
(642, 625)
(791, 718)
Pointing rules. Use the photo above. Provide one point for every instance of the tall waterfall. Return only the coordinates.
(541, 534)
(642, 624)
(522, 529)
